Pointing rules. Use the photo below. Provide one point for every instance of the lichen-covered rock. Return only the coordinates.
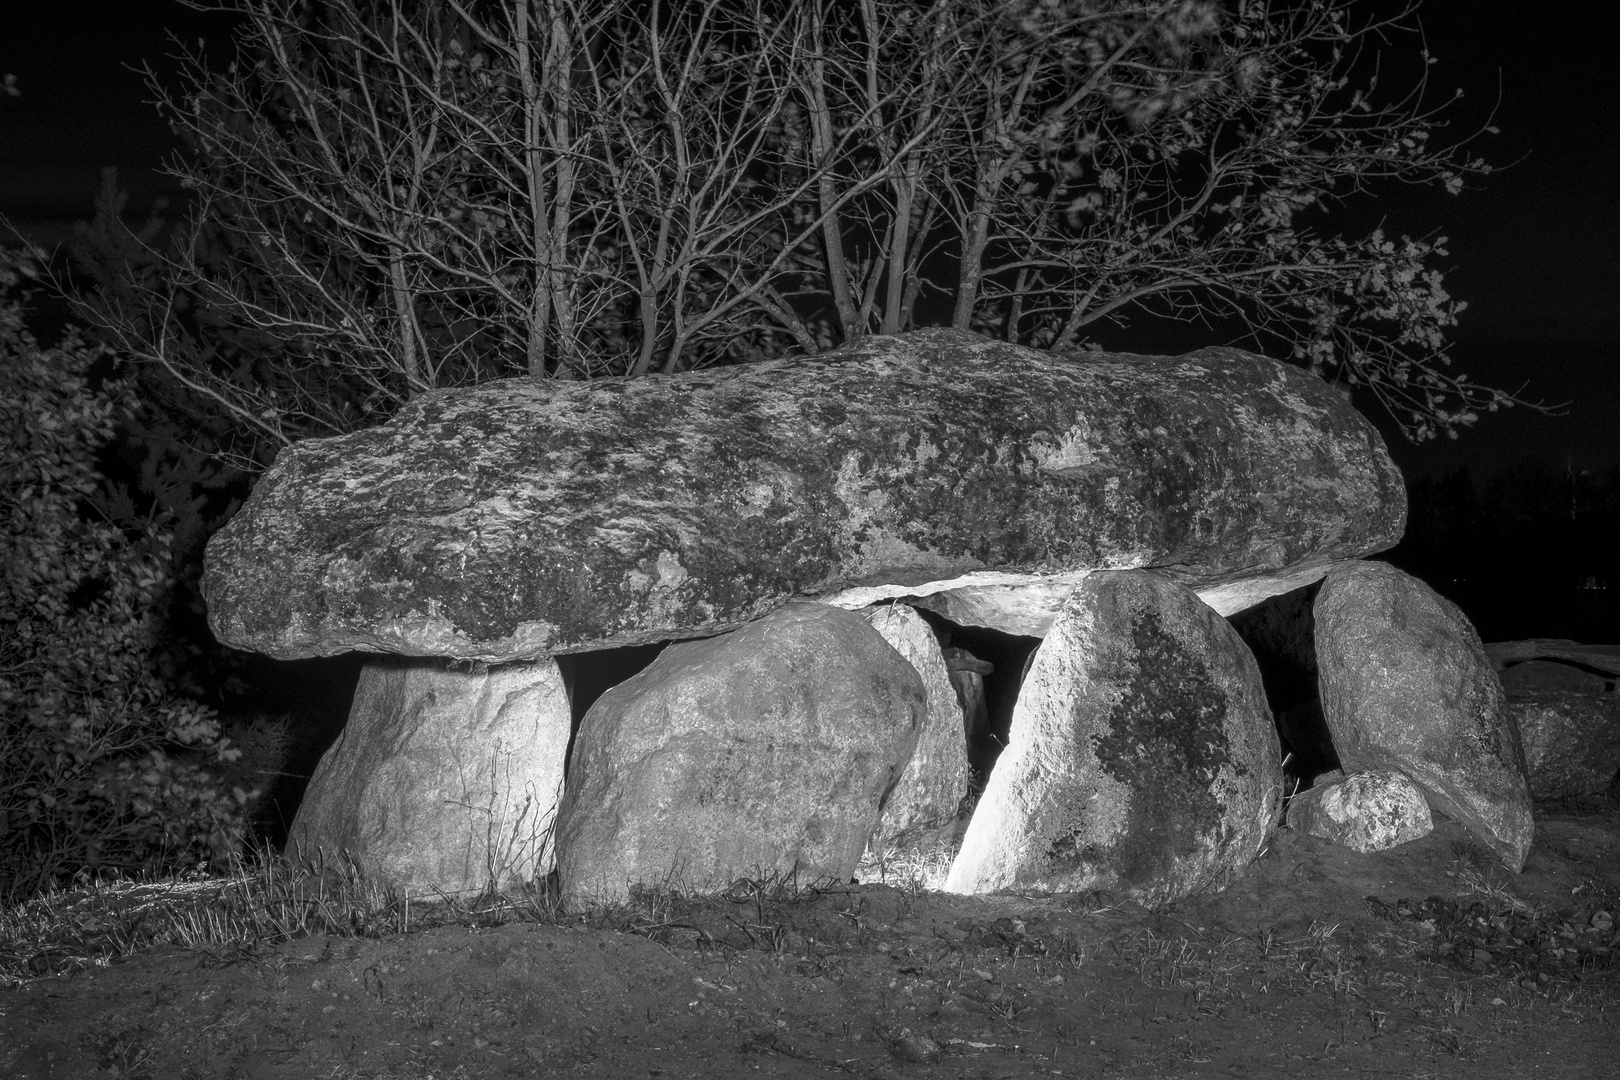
(1571, 740)
(935, 780)
(1142, 759)
(527, 517)
(1406, 686)
(767, 751)
(1366, 812)
(446, 778)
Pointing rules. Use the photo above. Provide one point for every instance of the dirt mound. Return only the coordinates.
(1424, 960)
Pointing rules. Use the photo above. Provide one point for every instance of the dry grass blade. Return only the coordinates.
(259, 902)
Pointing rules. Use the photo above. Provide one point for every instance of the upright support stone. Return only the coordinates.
(935, 780)
(1406, 685)
(446, 778)
(763, 753)
(1141, 760)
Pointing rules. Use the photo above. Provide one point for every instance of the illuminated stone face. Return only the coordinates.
(445, 779)
(931, 787)
(756, 754)
(1370, 811)
(1142, 758)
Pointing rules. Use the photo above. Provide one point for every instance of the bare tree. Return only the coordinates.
(426, 193)
(1090, 161)
(411, 194)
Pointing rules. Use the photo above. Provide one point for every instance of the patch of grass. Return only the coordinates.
(259, 903)
(263, 902)
(751, 913)
(913, 870)
(1477, 872)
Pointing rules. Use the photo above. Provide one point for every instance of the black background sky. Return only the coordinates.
(1534, 252)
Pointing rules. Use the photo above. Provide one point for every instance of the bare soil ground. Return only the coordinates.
(1424, 961)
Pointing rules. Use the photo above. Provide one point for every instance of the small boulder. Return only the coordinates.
(1142, 759)
(1406, 686)
(446, 777)
(1571, 741)
(765, 751)
(1370, 811)
(935, 780)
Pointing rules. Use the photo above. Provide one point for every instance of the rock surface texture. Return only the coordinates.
(524, 518)
(1370, 811)
(445, 778)
(935, 780)
(1566, 705)
(765, 751)
(1142, 759)
(1571, 741)
(1556, 677)
(1406, 686)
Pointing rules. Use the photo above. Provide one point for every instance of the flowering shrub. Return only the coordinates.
(103, 767)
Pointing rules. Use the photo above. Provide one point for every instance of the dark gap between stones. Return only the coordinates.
(1010, 653)
(1281, 633)
(313, 696)
(589, 675)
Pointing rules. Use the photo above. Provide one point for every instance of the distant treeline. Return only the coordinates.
(1530, 551)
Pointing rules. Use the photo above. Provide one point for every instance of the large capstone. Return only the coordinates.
(523, 518)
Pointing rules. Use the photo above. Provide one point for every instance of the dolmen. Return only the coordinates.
(799, 530)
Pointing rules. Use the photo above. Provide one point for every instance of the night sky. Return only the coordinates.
(1533, 252)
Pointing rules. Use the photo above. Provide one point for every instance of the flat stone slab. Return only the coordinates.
(1601, 657)
(523, 518)
(1029, 605)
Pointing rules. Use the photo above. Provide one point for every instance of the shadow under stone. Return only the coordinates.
(314, 696)
(1281, 633)
(1010, 654)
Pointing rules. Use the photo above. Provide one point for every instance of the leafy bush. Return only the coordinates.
(103, 766)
